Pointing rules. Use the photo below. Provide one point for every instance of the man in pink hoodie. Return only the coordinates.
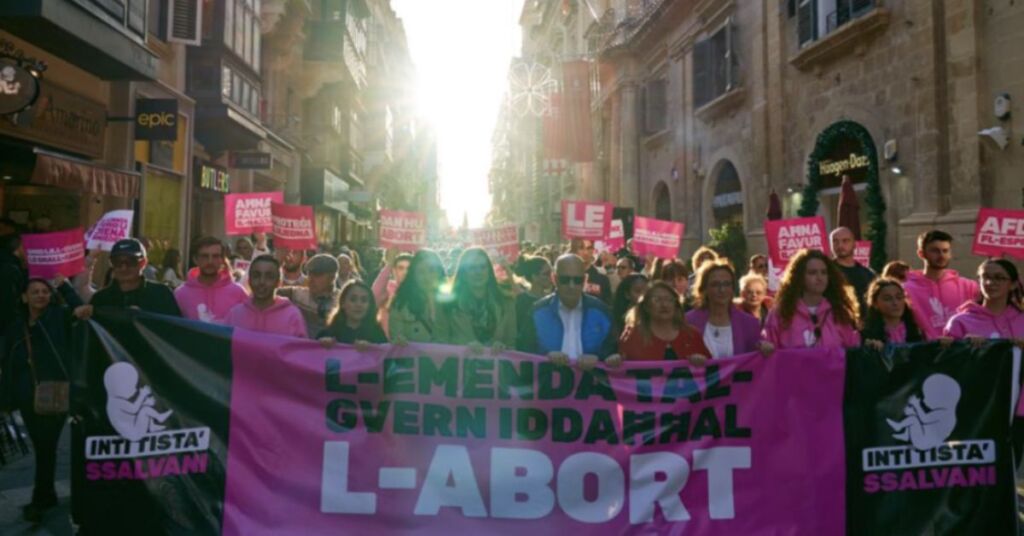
(266, 311)
(936, 292)
(212, 293)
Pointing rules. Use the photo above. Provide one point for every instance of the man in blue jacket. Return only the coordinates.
(570, 326)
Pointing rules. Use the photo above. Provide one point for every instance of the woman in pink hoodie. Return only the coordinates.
(997, 314)
(814, 307)
(265, 311)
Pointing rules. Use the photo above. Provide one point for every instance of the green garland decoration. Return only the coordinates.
(877, 228)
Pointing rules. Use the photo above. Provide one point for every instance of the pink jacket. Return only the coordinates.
(935, 302)
(800, 332)
(209, 303)
(977, 321)
(282, 318)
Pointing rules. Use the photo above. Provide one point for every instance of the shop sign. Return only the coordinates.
(335, 192)
(156, 119)
(214, 179)
(250, 160)
(852, 162)
(18, 87)
(61, 119)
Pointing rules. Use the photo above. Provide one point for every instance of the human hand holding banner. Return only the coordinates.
(657, 237)
(113, 226)
(999, 232)
(250, 213)
(585, 219)
(404, 231)
(294, 226)
(49, 254)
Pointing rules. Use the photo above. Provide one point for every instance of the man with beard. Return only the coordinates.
(936, 292)
(843, 246)
(318, 299)
(291, 267)
(214, 292)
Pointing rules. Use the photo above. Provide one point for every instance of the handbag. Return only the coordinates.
(50, 397)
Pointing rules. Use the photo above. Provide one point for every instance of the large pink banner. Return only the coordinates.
(404, 231)
(586, 219)
(425, 439)
(49, 254)
(999, 232)
(250, 213)
(656, 237)
(294, 226)
(503, 241)
(787, 237)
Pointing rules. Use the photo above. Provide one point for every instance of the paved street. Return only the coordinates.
(16, 490)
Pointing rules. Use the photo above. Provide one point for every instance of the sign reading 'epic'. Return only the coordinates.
(405, 231)
(999, 232)
(250, 213)
(585, 219)
(787, 237)
(294, 227)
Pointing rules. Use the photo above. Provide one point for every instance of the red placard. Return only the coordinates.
(657, 237)
(787, 237)
(404, 231)
(615, 240)
(500, 241)
(49, 254)
(293, 226)
(999, 232)
(249, 213)
(862, 253)
(586, 219)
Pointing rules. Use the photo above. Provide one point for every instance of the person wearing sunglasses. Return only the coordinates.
(128, 288)
(814, 307)
(726, 330)
(570, 326)
(656, 330)
(997, 314)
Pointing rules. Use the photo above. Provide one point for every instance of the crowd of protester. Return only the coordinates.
(571, 304)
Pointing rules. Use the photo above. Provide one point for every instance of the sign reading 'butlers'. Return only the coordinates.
(405, 231)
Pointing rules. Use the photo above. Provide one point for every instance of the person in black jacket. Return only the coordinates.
(355, 321)
(128, 288)
(37, 348)
(12, 278)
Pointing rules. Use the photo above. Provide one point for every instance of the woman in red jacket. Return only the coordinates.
(656, 329)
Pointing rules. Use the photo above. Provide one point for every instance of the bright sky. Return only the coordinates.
(462, 50)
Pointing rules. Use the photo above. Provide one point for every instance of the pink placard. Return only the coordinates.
(787, 237)
(657, 237)
(113, 226)
(586, 219)
(404, 231)
(862, 252)
(615, 240)
(503, 241)
(294, 226)
(999, 232)
(250, 213)
(50, 254)
(426, 440)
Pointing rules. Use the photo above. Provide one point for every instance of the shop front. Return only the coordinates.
(212, 183)
(327, 193)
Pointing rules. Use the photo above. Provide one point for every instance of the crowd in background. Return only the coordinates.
(571, 303)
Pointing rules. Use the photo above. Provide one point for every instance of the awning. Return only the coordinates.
(54, 170)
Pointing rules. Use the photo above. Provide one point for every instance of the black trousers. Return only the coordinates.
(44, 431)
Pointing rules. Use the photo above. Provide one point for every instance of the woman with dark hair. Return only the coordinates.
(630, 289)
(412, 314)
(34, 378)
(170, 271)
(897, 270)
(355, 321)
(997, 314)
(536, 270)
(480, 312)
(674, 272)
(726, 330)
(814, 307)
(656, 329)
(888, 319)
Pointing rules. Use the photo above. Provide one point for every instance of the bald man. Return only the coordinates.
(860, 277)
(569, 325)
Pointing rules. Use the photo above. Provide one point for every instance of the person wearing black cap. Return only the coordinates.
(128, 288)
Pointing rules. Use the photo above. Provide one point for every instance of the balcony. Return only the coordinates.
(331, 41)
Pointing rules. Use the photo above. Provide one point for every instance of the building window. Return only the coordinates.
(727, 203)
(818, 18)
(225, 82)
(655, 106)
(229, 22)
(715, 70)
(157, 23)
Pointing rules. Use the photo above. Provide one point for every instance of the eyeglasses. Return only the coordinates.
(571, 280)
(817, 328)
